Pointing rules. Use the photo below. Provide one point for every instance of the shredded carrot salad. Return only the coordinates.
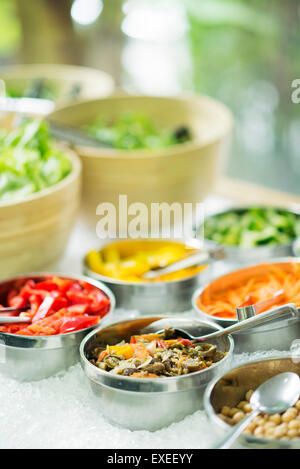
(256, 289)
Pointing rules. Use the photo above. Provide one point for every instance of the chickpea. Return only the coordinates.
(293, 433)
(259, 431)
(269, 433)
(280, 431)
(242, 404)
(258, 420)
(270, 425)
(247, 408)
(233, 412)
(225, 411)
(238, 417)
(248, 395)
(284, 426)
(289, 415)
(294, 424)
(276, 418)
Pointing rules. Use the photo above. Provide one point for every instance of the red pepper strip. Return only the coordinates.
(186, 342)
(79, 322)
(161, 344)
(16, 301)
(44, 309)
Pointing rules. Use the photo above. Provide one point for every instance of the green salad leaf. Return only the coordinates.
(132, 130)
(253, 227)
(29, 161)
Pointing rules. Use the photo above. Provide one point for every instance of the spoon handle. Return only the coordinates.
(261, 318)
(235, 432)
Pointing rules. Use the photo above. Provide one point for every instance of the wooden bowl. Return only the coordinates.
(181, 173)
(34, 231)
(93, 83)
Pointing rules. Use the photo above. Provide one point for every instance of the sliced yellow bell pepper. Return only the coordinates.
(125, 351)
(94, 261)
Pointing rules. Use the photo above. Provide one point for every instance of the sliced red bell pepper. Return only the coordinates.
(77, 323)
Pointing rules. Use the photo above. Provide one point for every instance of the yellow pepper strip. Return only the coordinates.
(125, 351)
(94, 261)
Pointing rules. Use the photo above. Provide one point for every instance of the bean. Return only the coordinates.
(289, 415)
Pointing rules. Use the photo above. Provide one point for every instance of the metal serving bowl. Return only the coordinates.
(153, 297)
(236, 255)
(31, 358)
(147, 403)
(231, 388)
(275, 335)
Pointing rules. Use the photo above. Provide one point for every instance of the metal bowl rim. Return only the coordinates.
(199, 291)
(150, 381)
(213, 417)
(53, 338)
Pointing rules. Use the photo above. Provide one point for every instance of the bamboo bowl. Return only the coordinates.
(92, 83)
(184, 173)
(34, 231)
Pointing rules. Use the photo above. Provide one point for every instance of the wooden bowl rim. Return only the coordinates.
(63, 72)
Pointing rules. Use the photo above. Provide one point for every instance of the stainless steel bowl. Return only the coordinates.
(275, 335)
(231, 388)
(31, 358)
(296, 247)
(145, 403)
(153, 297)
(236, 255)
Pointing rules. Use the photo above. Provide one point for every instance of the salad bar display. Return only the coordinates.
(161, 359)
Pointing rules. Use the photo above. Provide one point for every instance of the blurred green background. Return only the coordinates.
(243, 52)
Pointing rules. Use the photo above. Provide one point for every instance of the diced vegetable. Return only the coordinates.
(253, 227)
(57, 306)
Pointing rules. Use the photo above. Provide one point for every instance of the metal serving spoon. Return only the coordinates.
(199, 258)
(274, 396)
(261, 318)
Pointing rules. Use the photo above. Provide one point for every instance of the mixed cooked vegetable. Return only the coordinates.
(129, 260)
(54, 305)
(277, 284)
(253, 227)
(29, 161)
(156, 356)
(132, 130)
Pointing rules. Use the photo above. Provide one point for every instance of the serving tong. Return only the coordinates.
(196, 259)
(33, 105)
(14, 319)
(253, 321)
